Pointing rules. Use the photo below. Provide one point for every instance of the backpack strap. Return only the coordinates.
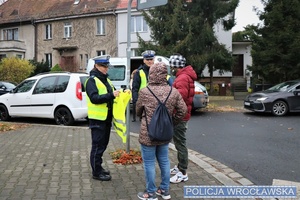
(158, 101)
(157, 98)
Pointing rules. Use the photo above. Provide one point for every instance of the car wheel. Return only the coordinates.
(63, 116)
(4, 115)
(279, 108)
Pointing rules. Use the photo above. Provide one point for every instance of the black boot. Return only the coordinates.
(102, 177)
(105, 171)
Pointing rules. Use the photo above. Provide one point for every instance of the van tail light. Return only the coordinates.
(78, 91)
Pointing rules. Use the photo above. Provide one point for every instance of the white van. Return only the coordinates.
(119, 74)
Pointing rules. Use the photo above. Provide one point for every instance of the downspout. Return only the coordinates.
(35, 46)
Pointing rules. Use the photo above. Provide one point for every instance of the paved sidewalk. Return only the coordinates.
(52, 162)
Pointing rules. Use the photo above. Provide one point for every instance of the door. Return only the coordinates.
(43, 97)
(294, 100)
(238, 68)
(19, 101)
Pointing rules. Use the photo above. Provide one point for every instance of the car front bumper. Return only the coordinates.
(200, 101)
(257, 106)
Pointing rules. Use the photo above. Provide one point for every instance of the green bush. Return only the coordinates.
(15, 69)
(56, 68)
(40, 67)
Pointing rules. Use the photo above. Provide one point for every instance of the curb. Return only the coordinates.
(219, 171)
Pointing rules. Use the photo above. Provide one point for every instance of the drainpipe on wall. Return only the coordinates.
(35, 40)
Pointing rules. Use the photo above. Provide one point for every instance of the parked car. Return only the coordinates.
(60, 96)
(6, 87)
(201, 98)
(278, 100)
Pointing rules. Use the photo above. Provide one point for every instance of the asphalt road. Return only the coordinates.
(260, 147)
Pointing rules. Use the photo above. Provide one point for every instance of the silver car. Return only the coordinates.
(201, 98)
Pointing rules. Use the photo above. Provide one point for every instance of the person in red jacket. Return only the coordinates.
(184, 83)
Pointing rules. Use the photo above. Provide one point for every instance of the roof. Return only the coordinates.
(124, 4)
(26, 10)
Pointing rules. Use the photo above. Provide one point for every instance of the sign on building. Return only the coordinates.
(143, 4)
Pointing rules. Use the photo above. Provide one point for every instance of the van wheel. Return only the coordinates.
(4, 115)
(63, 116)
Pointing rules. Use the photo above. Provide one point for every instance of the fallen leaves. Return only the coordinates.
(216, 108)
(11, 126)
(120, 156)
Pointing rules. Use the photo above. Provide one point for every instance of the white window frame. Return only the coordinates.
(134, 52)
(81, 61)
(138, 24)
(86, 60)
(48, 57)
(48, 31)
(100, 26)
(67, 30)
(100, 52)
(11, 34)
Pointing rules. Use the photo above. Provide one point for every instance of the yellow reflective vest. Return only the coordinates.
(98, 111)
(119, 117)
(143, 79)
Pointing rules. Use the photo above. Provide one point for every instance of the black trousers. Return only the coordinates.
(100, 137)
(133, 112)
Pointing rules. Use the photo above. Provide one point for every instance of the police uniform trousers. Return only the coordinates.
(100, 131)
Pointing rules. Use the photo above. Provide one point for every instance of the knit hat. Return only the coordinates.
(177, 61)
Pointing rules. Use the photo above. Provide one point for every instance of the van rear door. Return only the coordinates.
(118, 73)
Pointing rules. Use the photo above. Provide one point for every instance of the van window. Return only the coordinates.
(117, 73)
(45, 85)
(24, 86)
(62, 84)
(83, 80)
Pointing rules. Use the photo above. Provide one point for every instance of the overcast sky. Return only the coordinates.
(245, 15)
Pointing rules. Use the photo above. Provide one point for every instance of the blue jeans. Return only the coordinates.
(161, 153)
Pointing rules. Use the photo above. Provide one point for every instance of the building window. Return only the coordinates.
(86, 60)
(134, 52)
(48, 30)
(101, 52)
(20, 56)
(138, 24)
(49, 59)
(81, 61)
(2, 56)
(100, 26)
(11, 34)
(68, 30)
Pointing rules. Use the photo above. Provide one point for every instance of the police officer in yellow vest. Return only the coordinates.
(100, 96)
(140, 79)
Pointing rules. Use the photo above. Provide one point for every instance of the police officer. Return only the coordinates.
(100, 96)
(140, 79)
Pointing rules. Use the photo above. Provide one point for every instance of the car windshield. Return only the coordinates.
(283, 86)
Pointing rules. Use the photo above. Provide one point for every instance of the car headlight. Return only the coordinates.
(262, 99)
(198, 90)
